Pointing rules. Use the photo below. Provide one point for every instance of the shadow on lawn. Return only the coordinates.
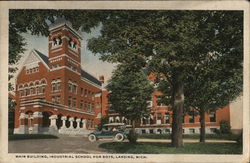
(166, 148)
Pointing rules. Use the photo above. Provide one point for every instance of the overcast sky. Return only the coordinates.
(89, 61)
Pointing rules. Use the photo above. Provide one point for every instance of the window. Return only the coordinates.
(143, 131)
(53, 99)
(37, 69)
(213, 130)
(58, 99)
(191, 130)
(158, 101)
(57, 41)
(27, 71)
(159, 116)
(167, 131)
(212, 117)
(93, 108)
(74, 102)
(85, 106)
(191, 117)
(167, 118)
(53, 87)
(37, 90)
(183, 131)
(81, 104)
(26, 92)
(70, 87)
(43, 89)
(151, 131)
(82, 92)
(85, 93)
(20, 93)
(74, 89)
(31, 91)
(93, 96)
(58, 85)
(89, 94)
(69, 101)
(89, 107)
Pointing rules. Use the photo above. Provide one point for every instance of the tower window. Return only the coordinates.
(57, 41)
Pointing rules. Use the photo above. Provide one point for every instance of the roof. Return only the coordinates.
(91, 78)
(84, 74)
(62, 22)
(43, 57)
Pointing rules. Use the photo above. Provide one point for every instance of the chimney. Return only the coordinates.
(101, 79)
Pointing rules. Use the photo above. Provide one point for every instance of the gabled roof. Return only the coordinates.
(43, 57)
(89, 77)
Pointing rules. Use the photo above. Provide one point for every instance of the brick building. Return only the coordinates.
(160, 119)
(55, 95)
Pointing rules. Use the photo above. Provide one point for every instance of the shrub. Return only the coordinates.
(132, 136)
(225, 127)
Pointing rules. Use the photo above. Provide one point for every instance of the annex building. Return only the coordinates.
(55, 95)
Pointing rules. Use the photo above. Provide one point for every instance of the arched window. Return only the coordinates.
(26, 90)
(43, 82)
(57, 41)
(53, 85)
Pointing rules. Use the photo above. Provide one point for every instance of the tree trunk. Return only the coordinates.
(132, 137)
(178, 104)
(202, 122)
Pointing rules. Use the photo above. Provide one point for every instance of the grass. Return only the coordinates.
(193, 136)
(166, 148)
(31, 136)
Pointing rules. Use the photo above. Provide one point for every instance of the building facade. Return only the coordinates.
(160, 118)
(55, 95)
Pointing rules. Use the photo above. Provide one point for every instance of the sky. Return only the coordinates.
(89, 61)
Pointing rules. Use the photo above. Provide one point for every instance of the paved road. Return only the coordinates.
(65, 144)
(73, 144)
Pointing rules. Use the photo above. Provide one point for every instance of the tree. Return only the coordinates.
(172, 43)
(104, 120)
(129, 94)
(207, 95)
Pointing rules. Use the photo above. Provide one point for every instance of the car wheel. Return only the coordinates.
(92, 137)
(119, 137)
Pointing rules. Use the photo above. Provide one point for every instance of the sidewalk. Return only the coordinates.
(186, 140)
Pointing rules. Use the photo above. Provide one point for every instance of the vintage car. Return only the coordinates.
(116, 131)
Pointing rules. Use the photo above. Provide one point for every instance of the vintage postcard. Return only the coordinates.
(124, 81)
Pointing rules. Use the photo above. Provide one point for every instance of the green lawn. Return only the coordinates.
(165, 148)
(193, 136)
(31, 136)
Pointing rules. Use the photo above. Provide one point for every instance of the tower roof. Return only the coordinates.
(62, 22)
